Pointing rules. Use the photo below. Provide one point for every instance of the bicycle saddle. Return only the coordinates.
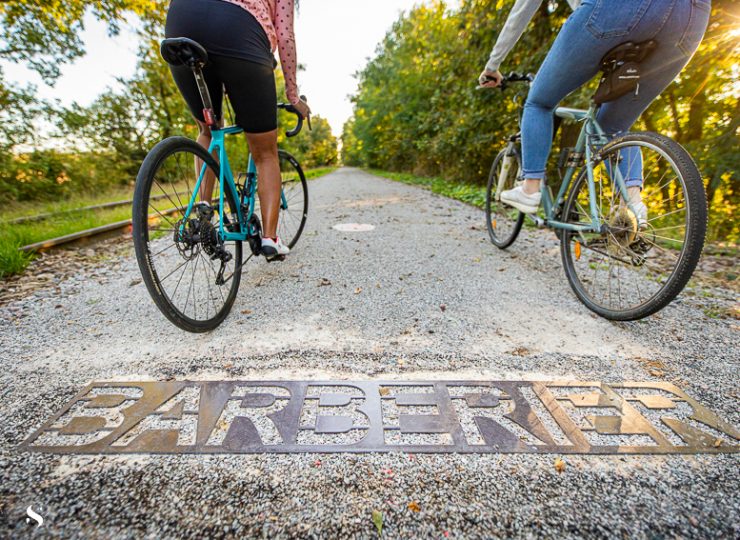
(183, 51)
(621, 68)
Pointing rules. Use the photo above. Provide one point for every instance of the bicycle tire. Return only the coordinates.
(694, 238)
(141, 238)
(505, 241)
(284, 156)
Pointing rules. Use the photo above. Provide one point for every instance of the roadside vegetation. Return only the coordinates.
(417, 109)
(66, 220)
(468, 193)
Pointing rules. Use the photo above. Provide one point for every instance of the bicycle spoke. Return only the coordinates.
(624, 268)
(179, 252)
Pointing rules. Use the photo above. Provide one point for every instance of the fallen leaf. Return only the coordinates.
(414, 506)
(559, 465)
(358, 290)
(443, 307)
(384, 391)
(246, 312)
(378, 521)
(324, 282)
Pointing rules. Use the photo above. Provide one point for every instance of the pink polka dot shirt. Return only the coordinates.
(276, 18)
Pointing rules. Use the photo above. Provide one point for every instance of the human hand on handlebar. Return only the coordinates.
(490, 79)
(303, 108)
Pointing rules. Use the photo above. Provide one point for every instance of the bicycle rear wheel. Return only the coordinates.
(190, 274)
(503, 222)
(294, 203)
(624, 272)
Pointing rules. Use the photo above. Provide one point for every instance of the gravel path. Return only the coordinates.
(357, 306)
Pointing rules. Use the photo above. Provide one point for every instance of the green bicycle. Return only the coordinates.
(190, 254)
(618, 269)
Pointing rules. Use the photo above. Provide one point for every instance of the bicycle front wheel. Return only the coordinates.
(192, 276)
(627, 271)
(503, 222)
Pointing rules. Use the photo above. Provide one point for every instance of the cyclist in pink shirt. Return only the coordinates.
(241, 37)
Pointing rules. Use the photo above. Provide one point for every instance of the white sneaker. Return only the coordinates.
(271, 247)
(641, 211)
(522, 201)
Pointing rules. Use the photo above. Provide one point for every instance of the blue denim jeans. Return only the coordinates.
(590, 32)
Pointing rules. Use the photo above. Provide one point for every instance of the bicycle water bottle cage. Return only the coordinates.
(621, 70)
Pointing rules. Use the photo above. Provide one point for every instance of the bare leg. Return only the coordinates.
(531, 185)
(263, 147)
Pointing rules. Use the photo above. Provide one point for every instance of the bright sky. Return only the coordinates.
(335, 39)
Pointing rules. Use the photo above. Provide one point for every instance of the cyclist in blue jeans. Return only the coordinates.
(594, 28)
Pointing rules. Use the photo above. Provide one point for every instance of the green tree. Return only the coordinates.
(46, 34)
(416, 109)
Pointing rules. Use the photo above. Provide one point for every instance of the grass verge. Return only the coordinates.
(14, 236)
(467, 193)
(312, 174)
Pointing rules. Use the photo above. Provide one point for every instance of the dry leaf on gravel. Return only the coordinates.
(377, 517)
(559, 465)
(384, 391)
(358, 290)
(324, 282)
(246, 312)
(414, 506)
(443, 307)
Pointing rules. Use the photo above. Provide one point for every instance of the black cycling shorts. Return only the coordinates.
(240, 61)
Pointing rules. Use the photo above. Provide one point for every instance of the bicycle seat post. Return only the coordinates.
(208, 113)
(184, 51)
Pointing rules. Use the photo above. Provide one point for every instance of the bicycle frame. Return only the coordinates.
(226, 181)
(590, 137)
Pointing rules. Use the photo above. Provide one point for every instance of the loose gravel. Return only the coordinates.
(361, 305)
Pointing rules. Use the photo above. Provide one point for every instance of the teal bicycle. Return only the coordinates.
(190, 254)
(616, 267)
